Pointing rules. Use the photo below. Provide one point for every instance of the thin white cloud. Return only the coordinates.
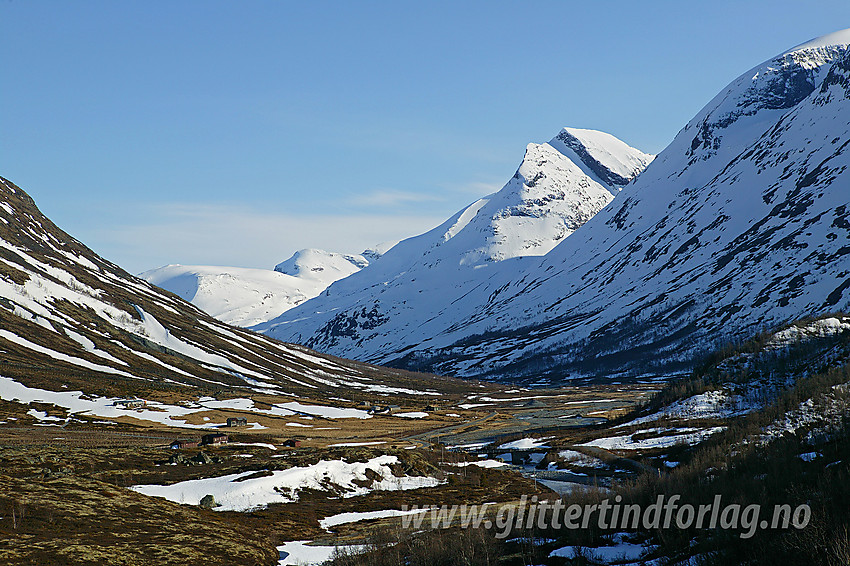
(392, 198)
(237, 236)
(398, 200)
(477, 188)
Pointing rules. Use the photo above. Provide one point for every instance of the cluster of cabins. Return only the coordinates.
(388, 409)
(218, 439)
(213, 439)
(130, 403)
(379, 410)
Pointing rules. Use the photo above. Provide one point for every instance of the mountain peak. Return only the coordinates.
(741, 109)
(836, 38)
(603, 157)
(547, 199)
(317, 264)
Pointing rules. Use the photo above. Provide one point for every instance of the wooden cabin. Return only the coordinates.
(214, 439)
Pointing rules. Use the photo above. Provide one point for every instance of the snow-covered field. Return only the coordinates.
(480, 464)
(525, 443)
(665, 439)
(79, 403)
(620, 551)
(253, 490)
(353, 517)
(302, 553)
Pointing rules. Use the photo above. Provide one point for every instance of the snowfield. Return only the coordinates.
(619, 552)
(253, 490)
(246, 297)
(79, 403)
(717, 404)
(303, 553)
(525, 443)
(480, 464)
(671, 437)
(353, 517)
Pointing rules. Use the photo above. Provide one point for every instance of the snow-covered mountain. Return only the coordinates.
(246, 297)
(559, 186)
(741, 223)
(604, 158)
(548, 198)
(70, 320)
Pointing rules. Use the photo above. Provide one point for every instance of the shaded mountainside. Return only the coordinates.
(741, 224)
(70, 319)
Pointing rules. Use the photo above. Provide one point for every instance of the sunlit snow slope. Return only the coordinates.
(245, 297)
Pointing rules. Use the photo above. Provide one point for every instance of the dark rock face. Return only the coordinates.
(348, 326)
(602, 172)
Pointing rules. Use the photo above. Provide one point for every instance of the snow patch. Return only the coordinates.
(245, 491)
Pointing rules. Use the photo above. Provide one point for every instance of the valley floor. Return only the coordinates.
(366, 481)
(66, 476)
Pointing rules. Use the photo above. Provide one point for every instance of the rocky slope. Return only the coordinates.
(71, 320)
(740, 224)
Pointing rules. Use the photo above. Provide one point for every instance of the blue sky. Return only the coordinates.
(235, 133)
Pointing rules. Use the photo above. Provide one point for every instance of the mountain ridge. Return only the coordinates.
(683, 257)
(71, 320)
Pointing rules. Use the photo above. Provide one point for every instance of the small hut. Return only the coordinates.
(130, 403)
